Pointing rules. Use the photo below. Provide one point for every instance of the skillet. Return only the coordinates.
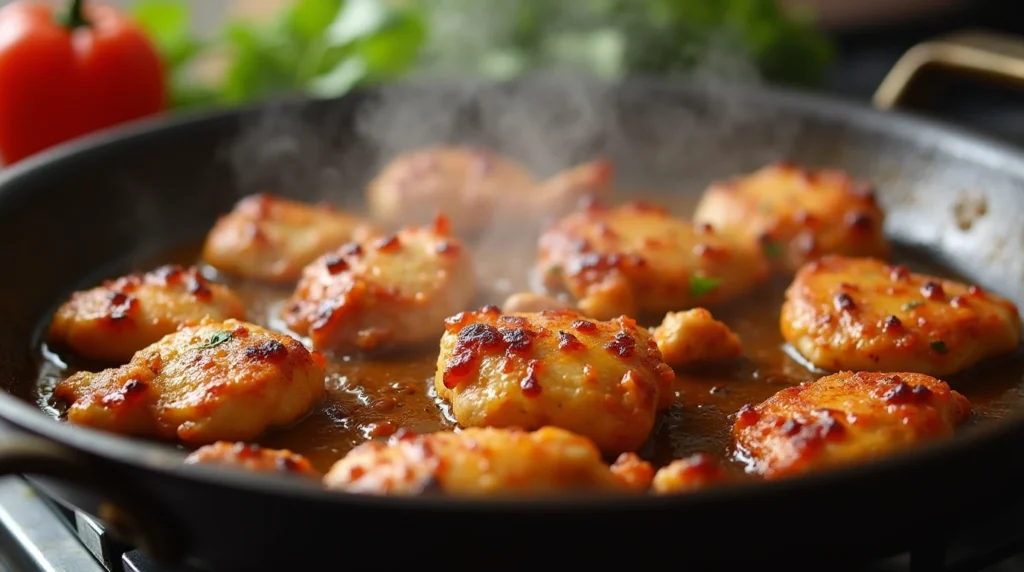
(113, 199)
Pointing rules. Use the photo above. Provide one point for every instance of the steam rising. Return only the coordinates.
(659, 141)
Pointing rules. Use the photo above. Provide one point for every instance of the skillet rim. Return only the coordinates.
(984, 150)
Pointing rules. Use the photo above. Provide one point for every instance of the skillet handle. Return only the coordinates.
(124, 513)
(982, 54)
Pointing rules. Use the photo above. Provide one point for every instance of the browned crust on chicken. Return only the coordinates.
(112, 321)
(476, 462)
(696, 472)
(603, 380)
(271, 238)
(215, 381)
(252, 457)
(695, 337)
(863, 314)
(844, 418)
(638, 259)
(393, 292)
(797, 214)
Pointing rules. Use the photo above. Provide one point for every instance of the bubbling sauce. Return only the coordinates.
(373, 397)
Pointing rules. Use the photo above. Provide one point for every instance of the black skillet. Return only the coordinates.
(89, 205)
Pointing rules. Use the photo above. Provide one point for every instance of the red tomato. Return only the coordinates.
(64, 77)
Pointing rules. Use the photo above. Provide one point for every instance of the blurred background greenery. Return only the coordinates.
(326, 47)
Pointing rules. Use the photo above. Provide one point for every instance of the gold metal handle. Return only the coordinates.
(987, 55)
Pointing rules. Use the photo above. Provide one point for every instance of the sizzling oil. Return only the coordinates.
(371, 398)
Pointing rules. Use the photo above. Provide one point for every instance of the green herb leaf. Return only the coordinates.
(166, 22)
(939, 346)
(310, 18)
(911, 305)
(772, 250)
(217, 339)
(701, 286)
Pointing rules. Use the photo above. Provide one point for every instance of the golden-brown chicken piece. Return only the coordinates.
(530, 302)
(465, 183)
(862, 314)
(693, 473)
(844, 418)
(798, 215)
(695, 337)
(633, 472)
(215, 381)
(252, 457)
(564, 193)
(603, 380)
(389, 293)
(272, 238)
(639, 259)
(476, 462)
(111, 322)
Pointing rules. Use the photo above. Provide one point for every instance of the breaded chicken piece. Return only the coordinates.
(638, 259)
(698, 471)
(215, 381)
(476, 462)
(862, 314)
(389, 293)
(252, 457)
(111, 322)
(798, 215)
(272, 238)
(462, 182)
(603, 380)
(844, 418)
(695, 337)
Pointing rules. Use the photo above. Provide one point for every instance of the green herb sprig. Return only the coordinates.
(217, 339)
(701, 286)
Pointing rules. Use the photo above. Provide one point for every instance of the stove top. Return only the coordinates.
(37, 535)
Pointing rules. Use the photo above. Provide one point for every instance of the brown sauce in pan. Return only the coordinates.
(374, 397)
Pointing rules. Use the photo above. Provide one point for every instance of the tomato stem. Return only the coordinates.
(75, 16)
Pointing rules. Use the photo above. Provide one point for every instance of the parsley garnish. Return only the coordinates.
(217, 339)
(911, 305)
(700, 285)
(772, 249)
(939, 346)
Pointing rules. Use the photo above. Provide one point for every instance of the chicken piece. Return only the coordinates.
(693, 473)
(390, 293)
(603, 380)
(638, 259)
(844, 418)
(633, 472)
(111, 322)
(798, 215)
(272, 238)
(215, 381)
(564, 193)
(530, 302)
(462, 182)
(861, 314)
(695, 337)
(251, 457)
(476, 462)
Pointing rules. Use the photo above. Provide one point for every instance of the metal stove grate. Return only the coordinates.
(37, 535)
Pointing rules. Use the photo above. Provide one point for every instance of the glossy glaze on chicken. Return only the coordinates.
(776, 334)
